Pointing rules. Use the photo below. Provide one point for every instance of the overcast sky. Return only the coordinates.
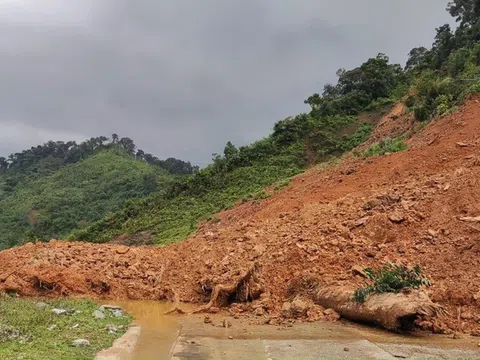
(183, 77)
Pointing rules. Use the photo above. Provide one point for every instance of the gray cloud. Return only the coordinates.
(183, 77)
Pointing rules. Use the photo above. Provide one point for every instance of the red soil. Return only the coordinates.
(405, 207)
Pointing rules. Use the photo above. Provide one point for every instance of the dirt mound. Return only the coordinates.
(420, 206)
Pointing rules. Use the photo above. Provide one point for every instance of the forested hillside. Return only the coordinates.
(432, 83)
(54, 188)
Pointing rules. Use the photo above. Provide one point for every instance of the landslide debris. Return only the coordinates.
(415, 207)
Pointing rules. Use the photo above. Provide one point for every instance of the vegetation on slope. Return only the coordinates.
(295, 143)
(42, 207)
(30, 331)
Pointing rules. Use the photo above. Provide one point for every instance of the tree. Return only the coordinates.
(230, 151)
(128, 145)
(115, 138)
(443, 45)
(466, 12)
(416, 57)
(3, 164)
(140, 154)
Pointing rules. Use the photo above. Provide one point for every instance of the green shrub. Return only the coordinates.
(386, 146)
(391, 278)
(410, 101)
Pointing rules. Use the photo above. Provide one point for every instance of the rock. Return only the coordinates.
(51, 327)
(111, 307)
(396, 218)
(207, 320)
(286, 308)
(259, 249)
(346, 349)
(475, 333)
(97, 314)
(462, 144)
(41, 305)
(358, 270)
(260, 311)
(432, 232)
(331, 315)
(299, 307)
(122, 249)
(59, 311)
(112, 329)
(230, 337)
(361, 221)
(81, 342)
(117, 313)
(75, 326)
(400, 355)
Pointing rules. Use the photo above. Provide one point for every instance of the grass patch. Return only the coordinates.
(27, 332)
(391, 278)
(282, 184)
(387, 145)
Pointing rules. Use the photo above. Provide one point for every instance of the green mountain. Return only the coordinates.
(46, 194)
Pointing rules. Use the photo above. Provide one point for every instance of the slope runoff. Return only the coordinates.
(404, 207)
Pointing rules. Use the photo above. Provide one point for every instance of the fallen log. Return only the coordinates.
(393, 311)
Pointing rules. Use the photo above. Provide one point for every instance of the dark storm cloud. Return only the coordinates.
(183, 77)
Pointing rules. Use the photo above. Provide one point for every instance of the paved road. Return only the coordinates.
(312, 341)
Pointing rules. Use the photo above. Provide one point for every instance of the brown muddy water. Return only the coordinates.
(159, 332)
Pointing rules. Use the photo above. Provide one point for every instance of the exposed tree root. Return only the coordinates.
(176, 306)
(241, 287)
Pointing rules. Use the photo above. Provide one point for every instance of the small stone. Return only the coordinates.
(400, 355)
(396, 218)
(59, 311)
(432, 232)
(331, 315)
(97, 314)
(117, 313)
(51, 327)
(259, 311)
(346, 349)
(41, 305)
(75, 326)
(358, 270)
(111, 307)
(207, 320)
(230, 337)
(361, 221)
(81, 342)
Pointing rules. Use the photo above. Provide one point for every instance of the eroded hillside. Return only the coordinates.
(420, 206)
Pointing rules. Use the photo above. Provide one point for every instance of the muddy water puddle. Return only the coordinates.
(159, 332)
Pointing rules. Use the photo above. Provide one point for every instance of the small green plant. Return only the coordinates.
(391, 278)
(387, 145)
(281, 184)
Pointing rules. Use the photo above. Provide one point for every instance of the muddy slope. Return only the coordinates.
(417, 207)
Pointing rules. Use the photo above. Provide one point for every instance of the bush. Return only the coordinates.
(386, 146)
(391, 278)
(410, 101)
